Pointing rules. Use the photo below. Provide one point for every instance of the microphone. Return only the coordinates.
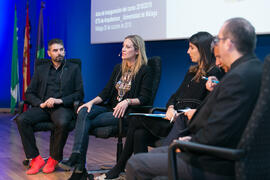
(120, 53)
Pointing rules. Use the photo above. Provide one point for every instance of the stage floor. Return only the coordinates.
(100, 152)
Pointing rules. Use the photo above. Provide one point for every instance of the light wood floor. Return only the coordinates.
(100, 151)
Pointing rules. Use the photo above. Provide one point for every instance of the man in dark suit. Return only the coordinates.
(221, 118)
(53, 89)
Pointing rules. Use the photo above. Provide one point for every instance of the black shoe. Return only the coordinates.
(114, 172)
(79, 167)
(81, 176)
(68, 164)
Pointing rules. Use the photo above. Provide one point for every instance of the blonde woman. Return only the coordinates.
(130, 84)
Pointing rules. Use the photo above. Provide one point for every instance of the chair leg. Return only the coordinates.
(119, 143)
(172, 162)
(119, 148)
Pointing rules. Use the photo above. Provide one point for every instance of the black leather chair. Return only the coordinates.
(253, 151)
(119, 130)
(49, 126)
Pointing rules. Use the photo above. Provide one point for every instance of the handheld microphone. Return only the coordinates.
(120, 53)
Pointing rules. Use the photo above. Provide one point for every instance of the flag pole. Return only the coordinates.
(14, 89)
(40, 50)
(26, 56)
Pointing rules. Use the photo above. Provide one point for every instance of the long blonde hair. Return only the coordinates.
(141, 59)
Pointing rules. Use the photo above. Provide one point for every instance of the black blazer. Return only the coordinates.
(221, 119)
(71, 84)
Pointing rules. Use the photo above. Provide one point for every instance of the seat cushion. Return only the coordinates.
(107, 131)
(49, 126)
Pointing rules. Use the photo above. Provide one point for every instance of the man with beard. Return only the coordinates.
(53, 89)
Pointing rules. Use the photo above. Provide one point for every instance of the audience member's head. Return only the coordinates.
(56, 50)
(138, 46)
(236, 38)
(200, 53)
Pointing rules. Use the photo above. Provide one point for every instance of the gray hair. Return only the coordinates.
(242, 34)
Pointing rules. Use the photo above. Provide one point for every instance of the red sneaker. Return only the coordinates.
(50, 165)
(36, 164)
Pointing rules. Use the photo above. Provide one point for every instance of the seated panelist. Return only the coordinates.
(130, 84)
(221, 118)
(53, 89)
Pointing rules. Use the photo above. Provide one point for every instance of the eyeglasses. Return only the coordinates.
(216, 40)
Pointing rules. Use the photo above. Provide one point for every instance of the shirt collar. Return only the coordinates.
(243, 59)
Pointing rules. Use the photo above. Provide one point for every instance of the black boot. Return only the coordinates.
(71, 162)
(81, 176)
(114, 172)
(79, 167)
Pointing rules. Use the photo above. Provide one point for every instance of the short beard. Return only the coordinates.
(59, 59)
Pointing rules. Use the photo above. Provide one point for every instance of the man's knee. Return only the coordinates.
(131, 167)
(63, 122)
(162, 149)
(20, 120)
(135, 164)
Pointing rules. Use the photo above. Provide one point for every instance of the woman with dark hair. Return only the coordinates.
(130, 84)
(144, 130)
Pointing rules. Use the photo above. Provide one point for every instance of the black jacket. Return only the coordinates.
(222, 117)
(141, 86)
(71, 84)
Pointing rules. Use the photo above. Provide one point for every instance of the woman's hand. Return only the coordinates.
(170, 114)
(190, 113)
(210, 84)
(87, 105)
(120, 109)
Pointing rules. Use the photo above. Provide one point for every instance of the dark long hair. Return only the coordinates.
(202, 40)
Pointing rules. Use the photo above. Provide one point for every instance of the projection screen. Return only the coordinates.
(112, 20)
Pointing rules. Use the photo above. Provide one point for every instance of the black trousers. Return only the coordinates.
(137, 140)
(61, 118)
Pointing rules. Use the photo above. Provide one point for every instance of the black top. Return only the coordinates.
(191, 93)
(54, 82)
(141, 87)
